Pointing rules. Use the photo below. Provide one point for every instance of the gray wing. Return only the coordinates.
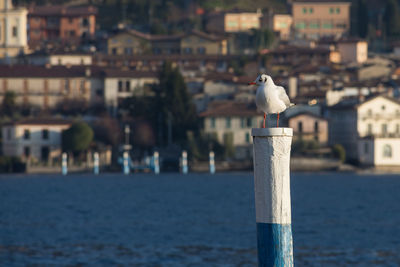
(283, 96)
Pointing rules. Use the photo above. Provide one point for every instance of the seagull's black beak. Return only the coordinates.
(252, 83)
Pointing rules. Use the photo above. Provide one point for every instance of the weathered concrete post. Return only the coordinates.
(156, 162)
(272, 195)
(64, 164)
(96, 167)
(184, 162)
(212, 162)
(125, 163)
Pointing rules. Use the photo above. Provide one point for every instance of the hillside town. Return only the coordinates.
(73, 80)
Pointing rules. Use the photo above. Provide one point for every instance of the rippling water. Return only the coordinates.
(194, 220)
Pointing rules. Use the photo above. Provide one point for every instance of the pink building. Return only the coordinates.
(308, 126)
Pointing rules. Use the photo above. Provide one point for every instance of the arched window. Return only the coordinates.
(387, 151)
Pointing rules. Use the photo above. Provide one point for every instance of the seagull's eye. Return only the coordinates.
(260, 80)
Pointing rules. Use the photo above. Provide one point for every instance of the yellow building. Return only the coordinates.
(13, 35)
(233, 21)
(132, 42)
(313, 19)
(282, 23)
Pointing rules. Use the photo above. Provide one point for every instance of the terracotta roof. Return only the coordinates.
(230, 108)
(41, 121)
(299, 49)
(321, 1)
(33, 71)
(307, 113)
(60, 10)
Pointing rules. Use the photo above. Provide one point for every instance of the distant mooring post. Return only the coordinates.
(125, 163)
(184, 162)
(156, 162)
(64, 163)
(96, 163)
(272, 195)
(212, 162)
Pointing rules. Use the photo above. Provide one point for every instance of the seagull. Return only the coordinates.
(270, 98)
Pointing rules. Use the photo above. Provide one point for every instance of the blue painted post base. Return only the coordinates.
(275, 245)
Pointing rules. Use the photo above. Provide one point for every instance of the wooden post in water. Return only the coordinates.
(156, 162)
(125, 163)
(272, 196)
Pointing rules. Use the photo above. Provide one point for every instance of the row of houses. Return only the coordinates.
(369, 130)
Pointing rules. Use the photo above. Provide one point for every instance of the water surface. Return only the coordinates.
(192, 220)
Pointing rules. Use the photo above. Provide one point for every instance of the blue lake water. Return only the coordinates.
(338, 219)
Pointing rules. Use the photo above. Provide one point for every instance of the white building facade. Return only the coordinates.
(369, 131)
(36, 140)
(13, 33)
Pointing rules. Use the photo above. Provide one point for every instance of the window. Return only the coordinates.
(304, 10)
(114, 51)
(8, 134)
(316, 126)
(14, 31)
(27, 151)
(300, 25)
(45, 134)
(397, 128)
(247, 138)
(70, 20)
(85, 22)
(228, 123)
(310, 10)
(201, 50)
(249, 122)
(120, 86)
(327, 25)
(212, 123)
(369, 112)
(366, 148)
(66, 86)
(387, 151)
(187, 50)
(337, 10)
(128, 51)
(27, 134)
(127, 86)
(313, 25)
(331, 10)
(242, 123)
(72, 33)
(300, 127)
(44, 153)
(384, 129)
(369, 131)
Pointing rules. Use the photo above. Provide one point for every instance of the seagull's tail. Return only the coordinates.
(292, 104)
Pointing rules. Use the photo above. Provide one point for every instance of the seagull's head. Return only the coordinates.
(262, 79)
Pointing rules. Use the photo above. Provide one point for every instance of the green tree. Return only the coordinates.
(392, 18)
(174, 104)
(8, 106)
(77, 138)
(362, 19)
(339, 152)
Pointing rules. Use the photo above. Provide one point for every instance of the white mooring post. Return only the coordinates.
(96, 167)
(272, 196)
(64, 163)
(156, 162)
(184, 162)
(125, 161)
(212, 162)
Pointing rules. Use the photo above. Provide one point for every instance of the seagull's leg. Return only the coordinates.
(264, 120)
(277, 121)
